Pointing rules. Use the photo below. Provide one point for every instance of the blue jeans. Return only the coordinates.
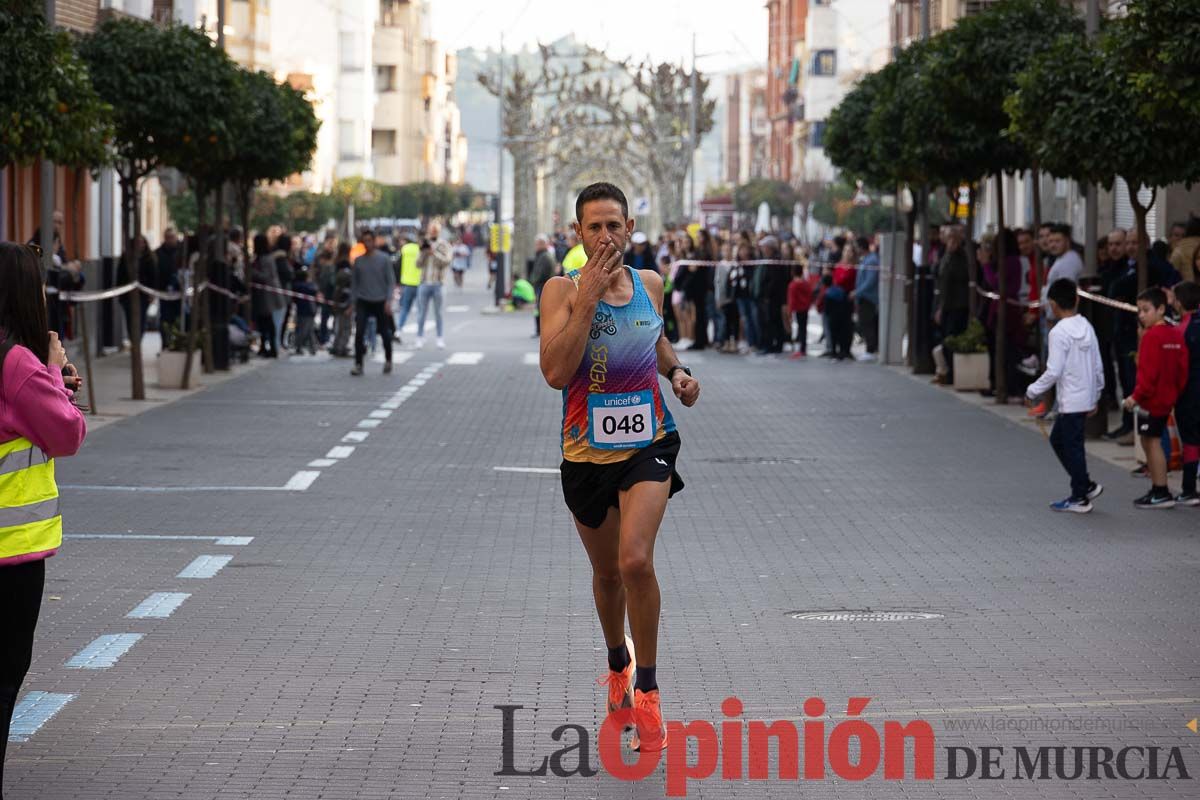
(748, 310)
(1066, 437)
(408, 296)
(429, 291)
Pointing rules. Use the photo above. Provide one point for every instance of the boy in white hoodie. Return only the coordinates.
(1074, 367)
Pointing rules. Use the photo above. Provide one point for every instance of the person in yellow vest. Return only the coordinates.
(410, 279)
(38, 423)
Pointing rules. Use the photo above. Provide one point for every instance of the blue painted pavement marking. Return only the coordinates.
(159, 605)
(34, 711)
(204, 567)
(104, 652)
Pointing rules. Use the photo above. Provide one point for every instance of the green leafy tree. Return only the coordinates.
(848, 143)
(48, 106)
(778, 195)
(165, 86)
(1146, 63)
(275, 134)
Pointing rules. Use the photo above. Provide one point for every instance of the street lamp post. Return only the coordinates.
(499, 253)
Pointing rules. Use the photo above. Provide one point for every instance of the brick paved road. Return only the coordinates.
(357, 646)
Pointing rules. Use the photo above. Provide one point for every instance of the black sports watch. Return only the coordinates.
(671, 371)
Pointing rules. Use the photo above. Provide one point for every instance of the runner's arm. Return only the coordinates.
(666, 353)
(566, 323)
(685, 387)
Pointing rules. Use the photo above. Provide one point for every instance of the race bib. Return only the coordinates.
(621, 421)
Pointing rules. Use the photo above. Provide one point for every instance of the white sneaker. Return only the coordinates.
(419, 343)
(441, 343)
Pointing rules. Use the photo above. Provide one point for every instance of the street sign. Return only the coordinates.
(501, 238)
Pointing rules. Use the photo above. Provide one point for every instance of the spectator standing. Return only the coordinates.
(436, 255)
(866, 295)
(543, 270)
(372, 282)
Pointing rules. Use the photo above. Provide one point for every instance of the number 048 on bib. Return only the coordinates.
(621, 421)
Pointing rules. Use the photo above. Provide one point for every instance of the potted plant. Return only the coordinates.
(172, 360)
(969, 352)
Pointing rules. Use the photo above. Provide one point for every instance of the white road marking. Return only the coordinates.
(465, 358)
(159, 605)
(355, 436)
(322, 462)
(230, 540)
(457, 309)
(166, 489)
(302, 480)
(34, 711)
(391, 404)
(104, 651)
(536, 470)
(532, 359)
(370, 423)
(341, 451)
(204, 566)
(380, 414)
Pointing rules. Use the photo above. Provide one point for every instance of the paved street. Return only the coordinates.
(391, 595)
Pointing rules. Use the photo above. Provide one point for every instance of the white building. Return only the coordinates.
(416, 131)
(844, 40)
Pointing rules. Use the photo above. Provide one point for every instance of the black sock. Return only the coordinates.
(646, 681)
(618, 658)
(1160, 491)
(1189, 477)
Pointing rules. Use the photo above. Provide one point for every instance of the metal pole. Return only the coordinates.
(221, 24)
(46, 209)
(692, 125)
(500, 187)
(1091, 214)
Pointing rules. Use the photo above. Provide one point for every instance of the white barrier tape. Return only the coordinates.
(1095, 298)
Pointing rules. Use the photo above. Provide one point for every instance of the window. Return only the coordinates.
(351, 53)
(385, 78)
(391, 12)
(816, 134)
(824, 62)
(348, 145)
(383, 143)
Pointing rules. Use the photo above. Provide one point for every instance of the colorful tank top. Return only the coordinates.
(613, 406)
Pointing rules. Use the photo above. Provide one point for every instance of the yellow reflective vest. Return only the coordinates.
(30, 523)
(574, 259)
(410, 272)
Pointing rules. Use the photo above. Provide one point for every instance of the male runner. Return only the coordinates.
(603, 345)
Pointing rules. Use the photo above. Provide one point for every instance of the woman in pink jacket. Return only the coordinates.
(38, 422)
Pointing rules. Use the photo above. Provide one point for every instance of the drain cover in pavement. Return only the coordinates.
(863, 616)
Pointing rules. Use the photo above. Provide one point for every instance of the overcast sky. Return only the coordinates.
(733, 31)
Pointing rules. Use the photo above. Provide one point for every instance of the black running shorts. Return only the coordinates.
(1189, 425)
(590, 489)
(1151, 426)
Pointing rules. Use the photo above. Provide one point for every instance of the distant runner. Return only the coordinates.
(603, 345)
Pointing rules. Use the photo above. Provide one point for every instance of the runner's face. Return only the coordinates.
(603, 219)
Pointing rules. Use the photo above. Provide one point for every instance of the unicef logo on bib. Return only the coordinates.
(621, 421)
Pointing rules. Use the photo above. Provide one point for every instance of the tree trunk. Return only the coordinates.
(1001, 349)
(1143, 238)
(972, 262)
(81, 323)
(195, 317)
(130, 227)
(910, 294)
(1035, 175)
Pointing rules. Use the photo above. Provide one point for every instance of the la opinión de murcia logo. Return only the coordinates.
(737, 749)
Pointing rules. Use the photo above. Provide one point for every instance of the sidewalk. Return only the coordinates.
(113, 384)
(1115, 454)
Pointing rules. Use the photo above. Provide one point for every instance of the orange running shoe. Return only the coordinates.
(620, 684)
(651, 733)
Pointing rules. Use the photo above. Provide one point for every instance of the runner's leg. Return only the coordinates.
(642, 509)
(603, 548)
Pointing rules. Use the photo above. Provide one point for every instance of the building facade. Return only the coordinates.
(416, 132)
(747, 131)
(785, 43)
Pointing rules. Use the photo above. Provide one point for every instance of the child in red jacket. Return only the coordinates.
(1162, 371)
(800, 298)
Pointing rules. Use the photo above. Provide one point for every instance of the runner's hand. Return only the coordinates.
(600, 273)
(686, 388)
(58, 356)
